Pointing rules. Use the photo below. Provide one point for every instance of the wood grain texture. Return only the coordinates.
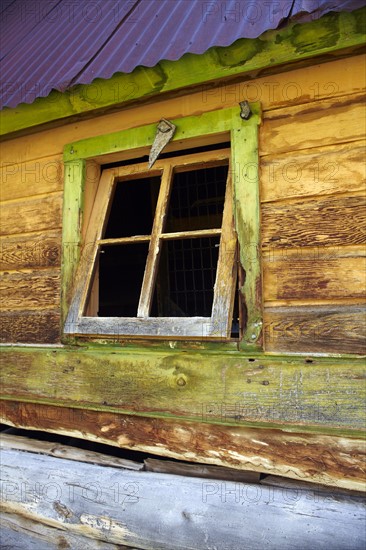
(326, 221)
(30, 290)
(121, 506)
(227, 268)
(263, 391)
(72, 216)
(20, 532)
(320, 459)
(320, 123)
(30, 251)
(26, 179)
(58, 450)
(321, 171)
(30, 327)
(36, 214)
(247, 225)
(291, 278)
(315, 329)
(199, 470)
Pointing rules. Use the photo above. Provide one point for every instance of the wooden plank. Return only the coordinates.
(278, 481)
(137, 327)
(322, 123)
(271, 391)
(20, 532)
(30, 327)
(318, 459)
(227, 268)
(30, 251)
(26, 179)
(326, 221)
(321, 171)
(300, 277)
(30, 290)
(36, 214)
(121, 506)
(71, 228)
(58, 450)
(247, 225)
(315, 329)
(200, 470)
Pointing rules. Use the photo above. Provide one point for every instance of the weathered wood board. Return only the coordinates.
(267, 390)
(37, 177)
(329, 122)
(23, 533)
(58, 450)
(331, 276)
(166, 512)
(316, 458)
(30, 251)
(309, 172)
(200, 470)
(325, 221)
(332, 329)
(30, 290)
(28, 215)
(31, 327)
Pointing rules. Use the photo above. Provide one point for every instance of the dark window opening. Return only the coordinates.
(133, 208)
(121, 270)
(197, 199)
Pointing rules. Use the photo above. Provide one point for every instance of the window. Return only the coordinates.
(160, 253)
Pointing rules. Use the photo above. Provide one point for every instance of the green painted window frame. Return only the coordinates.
(244, 165)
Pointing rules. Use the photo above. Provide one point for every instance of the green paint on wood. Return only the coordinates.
(134, 138)
(244, 145)
(331, 33)
(71, 227)
(326, 395)
(247, 213)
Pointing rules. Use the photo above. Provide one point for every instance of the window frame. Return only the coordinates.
(214, 126)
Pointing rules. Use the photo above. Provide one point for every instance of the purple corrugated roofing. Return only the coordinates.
(55, 44)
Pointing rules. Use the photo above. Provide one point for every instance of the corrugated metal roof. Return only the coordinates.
(55, 44)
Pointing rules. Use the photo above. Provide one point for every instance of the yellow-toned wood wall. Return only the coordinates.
(312, 190)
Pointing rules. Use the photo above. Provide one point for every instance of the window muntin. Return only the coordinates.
(197, 220)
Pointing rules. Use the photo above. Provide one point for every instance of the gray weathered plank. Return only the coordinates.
(58, 450)
(166, 512)
(19, 532)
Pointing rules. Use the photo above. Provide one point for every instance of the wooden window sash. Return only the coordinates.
(219, 324)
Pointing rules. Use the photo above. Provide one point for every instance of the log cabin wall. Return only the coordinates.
(312, 188)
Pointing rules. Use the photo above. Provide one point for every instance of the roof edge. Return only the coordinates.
(296, 42)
